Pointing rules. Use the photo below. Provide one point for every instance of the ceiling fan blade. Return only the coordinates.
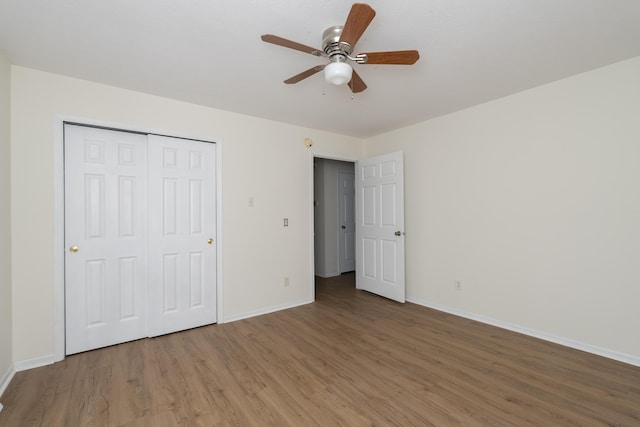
(359, 18)
(397, 57)
(303, 75)
(270, 38)
(356, 84)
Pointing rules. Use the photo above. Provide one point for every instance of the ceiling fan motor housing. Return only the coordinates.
(331, 43)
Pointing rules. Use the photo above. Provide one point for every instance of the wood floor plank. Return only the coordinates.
(351, 358)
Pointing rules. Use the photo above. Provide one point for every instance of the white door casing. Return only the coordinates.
(380, 226)
(346, 222)
(182, 246)
(105, 236)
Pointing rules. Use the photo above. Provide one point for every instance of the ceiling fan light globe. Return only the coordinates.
(338, 73)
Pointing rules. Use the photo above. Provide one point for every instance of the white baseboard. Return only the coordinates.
(5, 380)
(328, 275)
(266, 310)
(36, 362)
(567, 342)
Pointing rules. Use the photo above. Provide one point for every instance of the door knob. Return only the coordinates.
(73, 249)
(210, 241)
(398, 233)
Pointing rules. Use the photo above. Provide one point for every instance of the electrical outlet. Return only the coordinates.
(286, 281)
(457, 285)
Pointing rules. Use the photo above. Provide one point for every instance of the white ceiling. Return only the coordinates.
(209, 52)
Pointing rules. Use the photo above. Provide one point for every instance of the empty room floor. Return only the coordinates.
(351, 358)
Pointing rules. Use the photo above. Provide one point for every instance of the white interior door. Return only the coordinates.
(182, 224)
(380, 226)
(346, 222)
(106, 237)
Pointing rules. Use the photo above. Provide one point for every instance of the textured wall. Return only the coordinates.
(532, 202)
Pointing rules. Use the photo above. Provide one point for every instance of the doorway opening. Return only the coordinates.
(379, 229)
(334, 218)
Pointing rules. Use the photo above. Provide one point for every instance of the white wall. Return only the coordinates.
(327, 256)
(532, 201)
(6, 360)
(262, 159)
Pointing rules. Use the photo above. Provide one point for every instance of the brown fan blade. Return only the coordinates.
(359, 18)
(398, 57)
(356, 84)
(303, 75)
(270, 38)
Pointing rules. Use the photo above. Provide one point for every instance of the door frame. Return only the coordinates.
(312, 265)
(58, 215)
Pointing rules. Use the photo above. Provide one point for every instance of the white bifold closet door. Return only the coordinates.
(140, 236)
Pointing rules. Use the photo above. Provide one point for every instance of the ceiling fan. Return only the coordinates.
(337, 45)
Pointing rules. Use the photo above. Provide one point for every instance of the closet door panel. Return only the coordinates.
(182, 225)
(105, 237)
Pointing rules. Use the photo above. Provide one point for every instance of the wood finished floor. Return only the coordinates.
(350, 359)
